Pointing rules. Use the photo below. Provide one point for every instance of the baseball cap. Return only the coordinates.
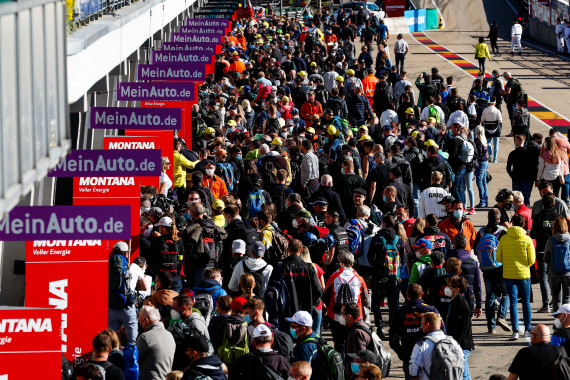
(319, 201)
(277, 141)
(423, 243)
(313, 64)
(302, 214)
(431, 120)
(262, 331)
(257, 249)
(210, 131)
(302, 318)
(366, 355)
(218, 205)
(430, 142)
(410, 111)
(165, 221)
(363, 127)
(302, 73)
(565, 308)
(350, 71)
(196, 342)
(339, 64)
(358, 190)
(232, 108)
(237, 304)
(232, 123)
(156, 212)
(238, 246)
(311, 130)
(285, 99)
(364, 137)
(294, 111)
(387, 128)
(339, 78)
(235, 53)
(331, 130)
(415, 133)
(122, 246)
(311, 92)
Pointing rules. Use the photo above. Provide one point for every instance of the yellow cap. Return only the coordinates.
(302, 73)
(258, 36)
(235, 53)
(313, 64)
(218, 205)
(286, 34)
(350, 71)
(415, 133)
(265, 23)
(210, 131)
(364, 137)
(232, 123)
(331, 130)
(311, 130)
(339, 78)
(430, 142)
(277, 141)
(284, 99)
(259, 41)
(410, 111)
(364, 127)
(431, 120)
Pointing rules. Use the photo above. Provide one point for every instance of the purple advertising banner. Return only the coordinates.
(202, 30)
(189, 48)
(155, 91)
(191, 39)
(172, 71)
(169, 57)
(26, 223)
(207, 22)
(136, 118)
(139, 162)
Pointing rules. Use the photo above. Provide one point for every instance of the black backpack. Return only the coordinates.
(321, 95)
(283, 343)
(266, 372)
(268, 172)
(328, 364)
(337, 108)
(278, 198)
(259, 288)
(343, 296)
(561, 365)
(272, 125)
(120, 294)
(171, 258)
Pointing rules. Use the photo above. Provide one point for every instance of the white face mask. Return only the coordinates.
(447, 291)
(558, 324)
(342, 321)
(295, 223)
(418, 254)
(174, 315)
(210, 172)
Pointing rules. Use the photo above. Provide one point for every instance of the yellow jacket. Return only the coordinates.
(181, 163)
(482, 51)
(517, 254)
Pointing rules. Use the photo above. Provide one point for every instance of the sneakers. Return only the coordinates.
(515, 336)
(503, 324)
(491, 331)
(545, 309)
(471, 211)
(520, 52)
(512, 53)
(527, 334)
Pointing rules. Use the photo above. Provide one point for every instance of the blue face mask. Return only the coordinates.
(355, 367)
(247, 319)
(239, 157)
(342, 171)
(385, 199)
(457, 214)
(293, 333)
(186, 216)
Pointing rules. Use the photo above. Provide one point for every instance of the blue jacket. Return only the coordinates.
(306, 351)
(209, 285)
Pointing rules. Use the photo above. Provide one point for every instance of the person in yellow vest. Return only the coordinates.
(369, 85)
(481, 53)
(180, 164)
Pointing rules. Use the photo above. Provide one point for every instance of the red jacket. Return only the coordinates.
(357, 286)
(527, 213)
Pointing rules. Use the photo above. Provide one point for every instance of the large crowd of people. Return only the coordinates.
(321, 188)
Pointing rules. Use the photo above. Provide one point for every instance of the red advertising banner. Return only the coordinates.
(30, 335)
(64, 284)
(186, 129)
(163, 140)
(395, 8)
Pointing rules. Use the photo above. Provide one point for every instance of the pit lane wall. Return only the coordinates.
(419, 20)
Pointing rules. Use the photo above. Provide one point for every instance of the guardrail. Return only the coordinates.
(82, 12)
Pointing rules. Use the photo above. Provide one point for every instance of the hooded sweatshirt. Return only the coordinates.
(560, 238)
(516, 252)
(419, 267)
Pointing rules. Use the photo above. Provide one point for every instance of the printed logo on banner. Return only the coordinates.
(181, 37)
(135, 118)
(178, 57)
(195, 47)
(65, 222)
(201, 30)
(202, 22)
(155, 91)
(172, 71)
(100, 162)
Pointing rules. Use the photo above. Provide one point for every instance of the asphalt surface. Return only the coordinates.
(545, 78)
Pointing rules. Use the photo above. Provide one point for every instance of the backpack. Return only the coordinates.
(328, 364)
(212, 242)
(276, 296)
(235, 343)
(253, 204)
(131, 355)
(384, 357)
(447, 361)
(337, 108)
(343, 296)
(251, 236)
(321, 95)
(265, 372)
(259, 288)
(279, 245)
(120, 294)
(102, 367)
(467, 151)
(282, 343)
(432, 112)
(205, 303)
(268, 172)
(561, 365)
(227, 174)
(272, 125)
(487, 251)
(517, 90)
(450, 171)
(355, 239)
(391, 263)
(278, 198)
(560, 256)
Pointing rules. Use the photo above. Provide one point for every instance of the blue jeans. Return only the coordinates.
(543, 278)
(525, 188)
(400, 57)
(468, 185)
(416, 195)
(495, 289)
(565, 188)
(559, 282)
(493, 147)
(457, 188)
(359, 30)
(514, 287)
(481, 179)
(125, 317)
(317, 322)
(466, 374)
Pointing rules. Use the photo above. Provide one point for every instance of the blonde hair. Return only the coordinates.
(114, 338)
(246, 105)
(306, 255)
(163, 161)
(174, 375)
(480, 133)
(247, 283)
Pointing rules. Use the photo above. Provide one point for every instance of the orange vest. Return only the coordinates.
(238, 66)
(369, 86)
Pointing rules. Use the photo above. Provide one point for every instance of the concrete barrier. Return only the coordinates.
(396, 25)
(541, 32)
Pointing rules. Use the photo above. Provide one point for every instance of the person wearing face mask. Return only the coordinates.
(252, 264)
(458, 320)
(301, 330)
(389, 204)
(458, 223)
(201, 362)
(559, 205)
(422, 249)
(214, 182)
(248, 366)
(403, 216)
(359, 359)
(561, 335)
(181, 312)
(155, 345)
(303, 223)
(504, 200)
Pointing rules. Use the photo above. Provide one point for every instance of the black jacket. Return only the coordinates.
(376, 251)
(303, 286)
(208, 366)
(522, 165)
(459, 322)
(454, 148)
(383, 94)
(404, 196)
(332, 197)
(359, 109)
(542, 225)
(248, 366)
